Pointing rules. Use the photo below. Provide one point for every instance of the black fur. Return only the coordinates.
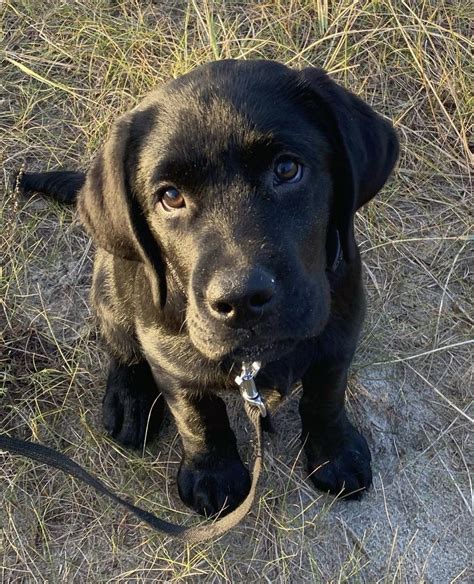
(246, 270)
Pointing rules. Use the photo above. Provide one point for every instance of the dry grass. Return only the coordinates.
(68, 69)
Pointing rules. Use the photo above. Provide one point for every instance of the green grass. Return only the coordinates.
(68, 70)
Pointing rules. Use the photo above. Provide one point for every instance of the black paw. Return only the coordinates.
(130, 395)
(217, 485)
(339, 463)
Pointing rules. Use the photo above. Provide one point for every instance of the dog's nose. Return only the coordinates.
(238, 298)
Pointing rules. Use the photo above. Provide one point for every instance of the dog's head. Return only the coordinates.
(231, 180)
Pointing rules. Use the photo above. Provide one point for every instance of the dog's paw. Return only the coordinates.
(131, 408)
(216, 486)
(340, 464)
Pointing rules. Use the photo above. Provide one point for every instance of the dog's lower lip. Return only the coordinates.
(259, 351)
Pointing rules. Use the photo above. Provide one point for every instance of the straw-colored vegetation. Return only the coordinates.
(69, 68)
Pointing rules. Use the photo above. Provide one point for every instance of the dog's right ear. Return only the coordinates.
(365, 149)
(111, 212)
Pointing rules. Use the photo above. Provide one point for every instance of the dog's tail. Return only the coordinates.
(61, 185)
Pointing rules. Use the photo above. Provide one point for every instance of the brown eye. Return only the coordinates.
(288, 170)
(172, 199)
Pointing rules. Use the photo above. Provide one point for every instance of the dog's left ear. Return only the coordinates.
(365, 148)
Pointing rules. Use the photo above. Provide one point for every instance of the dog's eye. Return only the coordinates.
(287, 170)
(172, 199)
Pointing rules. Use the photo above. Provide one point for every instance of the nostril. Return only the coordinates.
(222, 307)
(238, 298)
(260, 298)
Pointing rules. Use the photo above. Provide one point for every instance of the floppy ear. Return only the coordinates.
(365, 150)
(111, 212)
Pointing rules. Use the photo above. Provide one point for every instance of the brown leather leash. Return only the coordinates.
(195, 534)
(256, 410)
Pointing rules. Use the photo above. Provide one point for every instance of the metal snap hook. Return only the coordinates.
(248, 388)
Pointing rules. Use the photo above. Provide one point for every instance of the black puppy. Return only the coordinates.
(222, 208)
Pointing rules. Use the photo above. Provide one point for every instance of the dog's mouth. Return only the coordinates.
(263, 352)
(248, 350)
(242, 345)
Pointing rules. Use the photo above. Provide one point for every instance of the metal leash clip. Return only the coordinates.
(248, 388)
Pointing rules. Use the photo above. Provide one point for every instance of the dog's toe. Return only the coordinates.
(214, 487)
(112, 413)
(344, 470)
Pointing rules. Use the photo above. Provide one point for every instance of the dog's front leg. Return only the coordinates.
(211, 477)
(132, 407)
(337, 454)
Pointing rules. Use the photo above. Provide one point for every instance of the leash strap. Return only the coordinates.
(199, 533)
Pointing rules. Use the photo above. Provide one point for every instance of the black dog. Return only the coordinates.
(222, 208)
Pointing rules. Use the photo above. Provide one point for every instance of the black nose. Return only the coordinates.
(239, 298)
